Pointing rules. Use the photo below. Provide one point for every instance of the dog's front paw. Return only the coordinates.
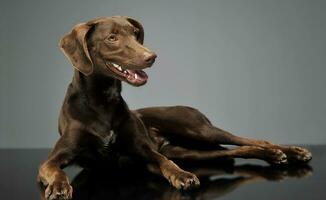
(184, 180)
(298, 154)
(58, 190)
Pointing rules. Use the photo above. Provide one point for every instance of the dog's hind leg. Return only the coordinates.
(273, 156)
(187, 125)
(294, 153)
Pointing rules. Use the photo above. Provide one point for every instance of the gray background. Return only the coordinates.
(254, 67)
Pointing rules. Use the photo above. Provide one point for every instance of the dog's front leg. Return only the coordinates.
(178, 177)
(136, 139)
(51, 174)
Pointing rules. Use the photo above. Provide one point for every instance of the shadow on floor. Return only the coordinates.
(132, 182)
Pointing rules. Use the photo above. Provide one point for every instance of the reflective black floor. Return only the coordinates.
(246, 179)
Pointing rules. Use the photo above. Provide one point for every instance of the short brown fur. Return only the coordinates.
(96, 124)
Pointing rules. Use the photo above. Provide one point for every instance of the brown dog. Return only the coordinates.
(96, 125)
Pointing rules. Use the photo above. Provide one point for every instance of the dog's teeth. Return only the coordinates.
(117, 66)
(136, 76)
(125, 71)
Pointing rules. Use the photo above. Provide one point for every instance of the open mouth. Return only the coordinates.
(134, 77)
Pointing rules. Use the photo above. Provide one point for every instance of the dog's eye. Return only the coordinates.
(112, 38)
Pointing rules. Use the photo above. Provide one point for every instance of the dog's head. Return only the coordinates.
(109, 45)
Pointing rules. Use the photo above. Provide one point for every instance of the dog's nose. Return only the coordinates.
(149, 57)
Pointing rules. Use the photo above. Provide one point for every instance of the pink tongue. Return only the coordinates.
(140, 74)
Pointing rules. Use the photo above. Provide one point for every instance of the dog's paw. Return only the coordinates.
(298, 154)
(60, 190)
(275, 156)
(184, 180)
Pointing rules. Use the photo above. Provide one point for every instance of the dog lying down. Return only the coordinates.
(96, 124)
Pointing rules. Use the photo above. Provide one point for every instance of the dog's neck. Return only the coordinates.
(97, 87)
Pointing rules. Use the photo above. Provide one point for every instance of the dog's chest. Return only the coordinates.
(105, 126)
(108, 144)
(109, 140)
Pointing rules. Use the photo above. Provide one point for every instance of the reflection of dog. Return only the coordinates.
(95, 119)
(133, 182)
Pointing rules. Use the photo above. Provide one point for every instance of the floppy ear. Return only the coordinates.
(140, 36)
(74, 46)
